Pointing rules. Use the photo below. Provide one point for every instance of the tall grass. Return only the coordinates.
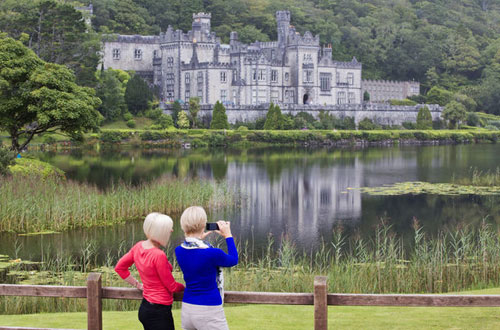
(479, 178)
(28, 204)
(454, 260)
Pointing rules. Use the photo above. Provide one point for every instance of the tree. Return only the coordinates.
(6, 159)
(274, 118)
(109, 90)
(176, 108)
(182, 120)
(219, 117)
(56, 32)
(439, 96)
(194, 108)
(38, 97)
(454, 112)
(137, 95)
(424, 118)
(366, 96)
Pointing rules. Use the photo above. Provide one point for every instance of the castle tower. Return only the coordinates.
(283, 20)
(201, 22)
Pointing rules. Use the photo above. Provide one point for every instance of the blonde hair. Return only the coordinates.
(158, 227)
(193, 219)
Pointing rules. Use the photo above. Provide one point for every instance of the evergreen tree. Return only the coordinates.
(137, 95)
(194, 108)
(182, 120)
(274, 118)
(219, 117)
(366, 96)
(176, 108)
(424, 118)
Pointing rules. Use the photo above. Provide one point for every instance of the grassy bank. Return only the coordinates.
(204, 138)
(248, 317)
(28, 204)
(453, 261)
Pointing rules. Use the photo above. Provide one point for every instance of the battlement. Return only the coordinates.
(135, 39)
(283, 15)
(202, 15)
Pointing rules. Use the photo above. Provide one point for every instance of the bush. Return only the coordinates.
(6, 159)
(131, 123)
(113, 136)
(182, 120)
(219, 118)
(165, 121)
(152, 136)
(31, 167)
(367, 124)
(128, 116)
(491, 128)
(242, 128)
(409, 125)
(424, 118)
(402, 102)
(154, 113)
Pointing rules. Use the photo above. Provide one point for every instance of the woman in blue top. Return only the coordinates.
(201, 265)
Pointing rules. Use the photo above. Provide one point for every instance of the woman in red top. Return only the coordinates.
(155, 270)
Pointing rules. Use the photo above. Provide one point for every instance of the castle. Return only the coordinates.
(294, 70)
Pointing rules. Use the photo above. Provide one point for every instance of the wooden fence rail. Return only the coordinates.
(94, 293)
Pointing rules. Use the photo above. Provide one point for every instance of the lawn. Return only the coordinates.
(297, 317)
(141, 123)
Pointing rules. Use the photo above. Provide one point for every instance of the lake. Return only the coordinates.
(299, 193)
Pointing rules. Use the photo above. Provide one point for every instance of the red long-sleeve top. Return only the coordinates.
(155, 271)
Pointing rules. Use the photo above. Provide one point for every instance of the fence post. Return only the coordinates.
(320, 303)
(94, 302)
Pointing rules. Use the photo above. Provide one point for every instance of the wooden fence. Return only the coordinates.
(94, 292)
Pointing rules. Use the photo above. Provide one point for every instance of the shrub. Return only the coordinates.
(154, 113)
(242, 128)
(128, 116)
(409, 125)
(113, 136)
(274, 118)
(367, 124)
(152, 136)
(424, 118)
(131, 123)
(402, 102)
(373, 136)
(495, 123)
(491, 128)
(165, 121)
(32, 167)
(6, 159)
(182, 120)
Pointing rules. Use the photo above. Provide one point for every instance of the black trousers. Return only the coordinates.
(156, 316)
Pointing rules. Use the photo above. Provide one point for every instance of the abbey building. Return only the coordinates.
(295, 69)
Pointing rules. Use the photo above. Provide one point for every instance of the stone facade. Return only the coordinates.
(385, 90)
(295, 69)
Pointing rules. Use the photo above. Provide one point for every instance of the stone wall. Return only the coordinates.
(383, 114)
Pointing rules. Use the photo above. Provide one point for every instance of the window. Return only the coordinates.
(223, 95)
(273, 54)
(307, 76)
(351, 98)
(223, 76)
(350, 78)
(170, 86)
(340, 97)
(308, 58)
(274, 96)
(188, 95)
(170, 62)
(200, 85)
(262, 96)
(324, 79)
(200, 78)
(287, 75)
(337, 77)
(274, 75)
(187, 81)
(289, 96)
(116, 54)
(155, 53)
(187, 78)
(262, 75)
(138, 54)
(234, 95)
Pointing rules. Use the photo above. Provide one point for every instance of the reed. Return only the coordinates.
(28, 204)
(454, 260)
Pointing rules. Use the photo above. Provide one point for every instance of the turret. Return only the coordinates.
(283, 20)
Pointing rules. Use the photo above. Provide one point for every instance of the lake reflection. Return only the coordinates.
(301, 193)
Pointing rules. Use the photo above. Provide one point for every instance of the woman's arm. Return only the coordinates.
(122, 268)
(226, 260)
(164, 269)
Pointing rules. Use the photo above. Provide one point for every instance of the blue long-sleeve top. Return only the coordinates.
(199, 267)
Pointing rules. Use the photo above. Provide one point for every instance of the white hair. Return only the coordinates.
(158, 227)
(193, 220)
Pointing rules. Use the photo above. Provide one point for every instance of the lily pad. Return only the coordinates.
(416, 188)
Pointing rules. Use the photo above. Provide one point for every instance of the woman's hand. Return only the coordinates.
(224, 229)
(205, 234)
(139, 286)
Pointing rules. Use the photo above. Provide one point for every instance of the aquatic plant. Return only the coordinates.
(28, 204)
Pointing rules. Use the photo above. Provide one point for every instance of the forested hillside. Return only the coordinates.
(451, 44)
